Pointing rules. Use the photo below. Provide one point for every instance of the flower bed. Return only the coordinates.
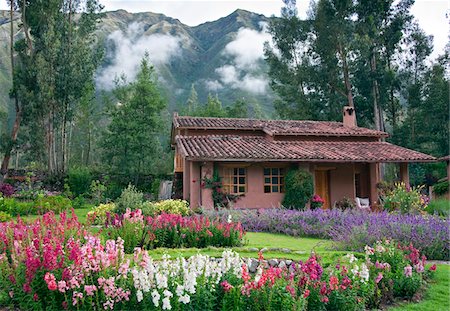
(172, 231)
(55, 265)
(352, 230)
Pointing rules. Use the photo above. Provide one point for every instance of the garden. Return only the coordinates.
(85, 251)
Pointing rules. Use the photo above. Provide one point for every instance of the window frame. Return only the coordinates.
(280, 176)
(229, 174)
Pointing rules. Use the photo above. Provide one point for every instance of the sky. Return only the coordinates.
(431, 14)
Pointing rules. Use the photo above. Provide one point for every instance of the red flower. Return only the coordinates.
(306, 293)
(433, 267)
(35, 297)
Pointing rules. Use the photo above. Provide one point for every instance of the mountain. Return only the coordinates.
(223, 57)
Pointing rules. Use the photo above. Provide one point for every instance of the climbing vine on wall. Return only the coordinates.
(220, 198)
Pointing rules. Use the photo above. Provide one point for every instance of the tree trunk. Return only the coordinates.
(375, 93)
(16, 126)
(348, 85)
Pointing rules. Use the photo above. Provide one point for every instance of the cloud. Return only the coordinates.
(129, 48)
(244, 70)
(248, 47)
(213, 85)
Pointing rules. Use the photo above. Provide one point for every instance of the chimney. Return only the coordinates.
(349, 118)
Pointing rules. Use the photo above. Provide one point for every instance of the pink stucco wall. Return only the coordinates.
(341, 183)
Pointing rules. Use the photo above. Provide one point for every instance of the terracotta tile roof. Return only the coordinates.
(276, 127)
(244, 148)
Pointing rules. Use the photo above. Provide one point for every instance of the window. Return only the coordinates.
(273, 180)
(235, 180)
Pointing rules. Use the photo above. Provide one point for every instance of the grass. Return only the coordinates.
(437, 296)
(440, 207)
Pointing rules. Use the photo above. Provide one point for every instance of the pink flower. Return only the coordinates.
(226, 286)
(306, 293)
(408, 271)
(433, 267)
(325, 299)
(62, 286)
(379, 277)
(35, 297)
(90, 289)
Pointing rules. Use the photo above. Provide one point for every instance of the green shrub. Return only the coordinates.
(441, 188)
(440, 207)
(79, 180)
(5, 217)
(55, 203)
(179, 207)
(98, 191)
(405, 199)
(299, 189)
(98, 214)
(345, 204)
(130, 198)
(14, 207)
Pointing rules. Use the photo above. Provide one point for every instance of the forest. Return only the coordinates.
(371, 55)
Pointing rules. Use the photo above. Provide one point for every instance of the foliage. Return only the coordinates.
(405, 199)
(131, 198)
(79, 180)
(97, 191)
(131, 145)
(441, 188)
(221, 199)
(178, 207)
(171, 231)
(56, 61)
(345, 204)
(98, 214)
(316, 202)
(5, 216)
(56, 204)
(439, 207)
(80, 272)
(352, 229)
(299, 188)
(6, 190)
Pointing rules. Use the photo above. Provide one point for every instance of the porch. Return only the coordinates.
(261, 184)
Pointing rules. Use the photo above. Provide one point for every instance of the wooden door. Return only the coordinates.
(322, 186)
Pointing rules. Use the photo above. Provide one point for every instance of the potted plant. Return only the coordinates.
(316, 202)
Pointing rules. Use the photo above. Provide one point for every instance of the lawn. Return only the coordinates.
(295, 248)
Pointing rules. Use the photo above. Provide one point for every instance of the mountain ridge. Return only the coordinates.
(183, 55)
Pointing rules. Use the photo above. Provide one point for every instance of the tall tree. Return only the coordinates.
(192, 101)
(131, 144)
(239, 109)
(289, 64)
(57, 57)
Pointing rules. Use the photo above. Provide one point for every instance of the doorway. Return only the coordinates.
(322, 188)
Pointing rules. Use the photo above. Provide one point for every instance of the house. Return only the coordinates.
(252, 157)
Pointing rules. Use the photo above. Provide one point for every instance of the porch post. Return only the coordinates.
(186, 179)
(374, 180)
(404, 173)
(194, 182)
(206, 199)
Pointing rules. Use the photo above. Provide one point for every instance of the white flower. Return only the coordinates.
(180, 290)
(155, 297)
(355, 270)
(351, 258)
(139, 296)
(166, 301)
(229, 219)
(364, 272)
(380, 249)
(185, 299)
(369, 250)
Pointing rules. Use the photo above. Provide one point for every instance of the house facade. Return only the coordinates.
(252, 156)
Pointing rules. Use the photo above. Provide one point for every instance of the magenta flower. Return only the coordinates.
(379, 277)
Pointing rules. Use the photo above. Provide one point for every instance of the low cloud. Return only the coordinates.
(244, 70)
(248, 47)
(129, 48)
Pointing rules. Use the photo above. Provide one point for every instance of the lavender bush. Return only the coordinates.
(352, 230)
